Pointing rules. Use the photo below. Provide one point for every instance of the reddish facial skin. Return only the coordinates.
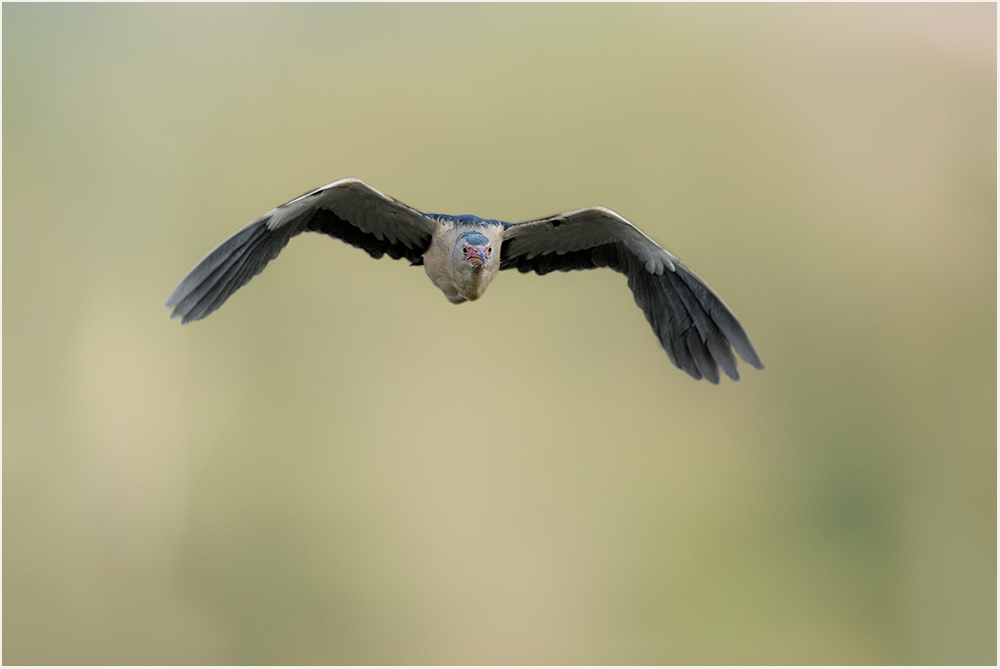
(477, 255)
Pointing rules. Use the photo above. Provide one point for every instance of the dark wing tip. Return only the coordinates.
(717, 327)
(228, 267)
(694, 326)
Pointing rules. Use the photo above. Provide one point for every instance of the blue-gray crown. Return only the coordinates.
(475, 238)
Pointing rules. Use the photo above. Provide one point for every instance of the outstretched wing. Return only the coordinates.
(693, 324)
(348, 209)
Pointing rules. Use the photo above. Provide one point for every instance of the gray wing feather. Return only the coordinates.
(348, 209)
(585, 229)
(694, 326)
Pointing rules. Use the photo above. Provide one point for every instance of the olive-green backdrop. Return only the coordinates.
(342, 467)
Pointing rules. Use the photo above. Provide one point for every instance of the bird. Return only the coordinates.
(463, 254)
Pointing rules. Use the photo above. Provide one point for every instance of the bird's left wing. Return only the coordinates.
(693, 324)
(348, 209)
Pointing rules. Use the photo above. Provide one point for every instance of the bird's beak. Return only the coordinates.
(476, 255)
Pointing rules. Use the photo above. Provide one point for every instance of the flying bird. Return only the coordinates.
(462, 254)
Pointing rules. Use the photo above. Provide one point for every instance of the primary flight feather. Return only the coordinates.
(462, 254)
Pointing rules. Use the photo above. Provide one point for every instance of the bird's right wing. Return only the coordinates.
(348, 209)
(693, 324)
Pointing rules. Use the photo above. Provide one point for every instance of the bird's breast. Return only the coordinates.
(458, 283)
(458, 280)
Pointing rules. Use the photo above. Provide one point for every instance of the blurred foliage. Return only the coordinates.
(341, 467)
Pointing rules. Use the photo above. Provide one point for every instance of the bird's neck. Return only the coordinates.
(472, 281)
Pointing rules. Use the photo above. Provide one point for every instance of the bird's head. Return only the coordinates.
(473, 248)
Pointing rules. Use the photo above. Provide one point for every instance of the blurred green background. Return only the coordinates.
(309, 477)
